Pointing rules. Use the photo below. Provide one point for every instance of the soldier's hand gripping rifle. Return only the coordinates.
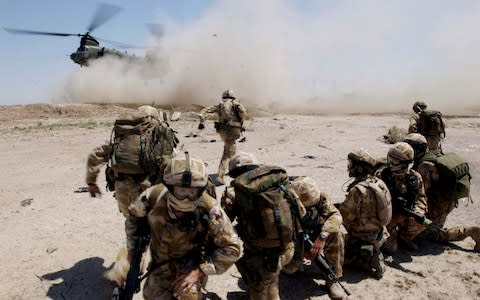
(322, 264)
(134, 276)
(419, 218)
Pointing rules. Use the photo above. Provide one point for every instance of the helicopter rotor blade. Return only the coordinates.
(24, 31)
(103, 13)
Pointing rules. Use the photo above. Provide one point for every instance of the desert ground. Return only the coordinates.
(56, 243)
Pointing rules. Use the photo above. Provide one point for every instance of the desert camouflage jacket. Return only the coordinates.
(207, 232)
(359, 211)
(96, 159)
(411, 186)
(329, 217)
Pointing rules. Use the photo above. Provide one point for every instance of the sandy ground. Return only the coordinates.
(56, 243)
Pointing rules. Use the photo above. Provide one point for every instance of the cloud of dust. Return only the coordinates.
(318, 56)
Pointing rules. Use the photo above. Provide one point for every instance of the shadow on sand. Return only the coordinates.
(82, 281)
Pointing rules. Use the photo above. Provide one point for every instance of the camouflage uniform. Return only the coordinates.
(439, 206)
(321, 216)
(433, 140)
(366, 234)
(127, 187)
(177, 245)
(404, 227)
(268, 287)
(231, 114)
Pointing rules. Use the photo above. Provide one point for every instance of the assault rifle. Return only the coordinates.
(322, 264)
(134, 276)
(419, 218)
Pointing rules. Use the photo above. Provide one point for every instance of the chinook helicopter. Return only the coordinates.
(89, 48)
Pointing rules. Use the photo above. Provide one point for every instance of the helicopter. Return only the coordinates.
(89, 48)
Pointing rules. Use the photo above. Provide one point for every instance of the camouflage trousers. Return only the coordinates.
(126, 191)
(334, 255)
(438, 213)
(229, 136)
(366, 255)
(266, 288)
(158, 284)
(404, 228)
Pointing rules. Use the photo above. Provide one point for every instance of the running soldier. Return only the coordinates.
(231, 115)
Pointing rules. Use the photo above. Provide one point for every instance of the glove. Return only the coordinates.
(201, 126)
(94, 190)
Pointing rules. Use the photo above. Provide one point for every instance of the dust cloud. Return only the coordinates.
(317, 56)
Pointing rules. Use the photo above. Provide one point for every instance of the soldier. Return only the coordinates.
(127, 186)
(263, 258)
(440, 202)
(366, 210)
(191, 236)
(323, 222)
(407, 191)
(231, 115)
(428, 123)
(417, 108)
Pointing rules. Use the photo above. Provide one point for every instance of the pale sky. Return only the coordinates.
(347, 51)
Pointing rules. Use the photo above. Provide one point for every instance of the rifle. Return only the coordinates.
(419, 218)
(134, 276)
(322, 264)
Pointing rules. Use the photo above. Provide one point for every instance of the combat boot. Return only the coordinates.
(474, 233)
(378, 265)
(335, 291)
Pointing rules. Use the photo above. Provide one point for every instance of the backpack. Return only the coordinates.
(139, 142)
(454, 174)
(231, 112)
(430, 123)
(267, 209)
(379, 203)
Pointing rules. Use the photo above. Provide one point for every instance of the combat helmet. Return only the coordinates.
(418, 143)
(362, 159)
(240, 163)
(419, 106)
(307, 190)
(185, 171)
(228, 94)
(400, 158)
(149, 111)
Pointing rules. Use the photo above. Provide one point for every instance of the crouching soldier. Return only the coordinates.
(446, 178)
(191, 236)
(366, 210)
(268, 216)
(409, 203)
(323, 223)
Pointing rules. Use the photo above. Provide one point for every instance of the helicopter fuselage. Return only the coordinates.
(86, 53)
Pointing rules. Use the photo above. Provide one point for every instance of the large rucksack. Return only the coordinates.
(231, 112)
(430, 123)
(377, 202)
(139, 142)
(267, 208)
(454, 174)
